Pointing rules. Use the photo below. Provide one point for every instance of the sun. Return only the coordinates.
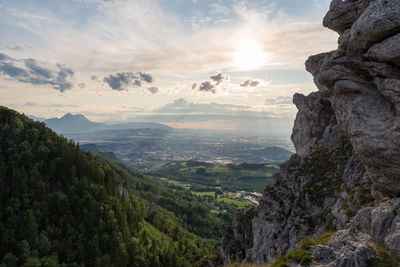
(250, 55)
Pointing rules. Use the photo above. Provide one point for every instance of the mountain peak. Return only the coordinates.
(67, 115)
(70, 116)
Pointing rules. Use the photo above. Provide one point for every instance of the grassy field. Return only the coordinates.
(239, 203)
(217, 182)
(247, 177)
(200, 194)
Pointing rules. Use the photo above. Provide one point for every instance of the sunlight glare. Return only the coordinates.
(250, 55)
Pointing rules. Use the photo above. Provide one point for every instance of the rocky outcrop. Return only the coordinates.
(347, 139)
(364, 79)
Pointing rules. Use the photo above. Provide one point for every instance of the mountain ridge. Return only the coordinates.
(78, 123)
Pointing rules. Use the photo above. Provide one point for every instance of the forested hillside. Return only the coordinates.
(63, 207)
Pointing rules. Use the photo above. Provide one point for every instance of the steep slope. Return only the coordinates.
(59, 205)
(344, 177)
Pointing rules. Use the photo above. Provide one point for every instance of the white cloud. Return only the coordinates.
(141, 35)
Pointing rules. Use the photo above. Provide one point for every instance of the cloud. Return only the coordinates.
(101, 1)
(36, 69)
(250, 83)
(153, 90)
(36, 73)
(64, 106)
(280, 100)
(123, 80)
(186, 114)
(219, 78)
(146, 77)
(93, 77)
(182, 106)
(15, 47)
(219, 9)
(4, 57)
(30, 104)
(207, 86)
(286, 39)
(212, 84)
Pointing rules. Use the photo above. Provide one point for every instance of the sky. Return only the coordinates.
(186, 63)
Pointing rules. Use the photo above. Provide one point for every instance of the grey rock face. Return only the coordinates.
(323, 254)
(312, 119)
(239, 238)
(386, 51)
(345, 249)
(379, 21)
(311, 193)
(381, 223)
(347, 139)
(390, 89)
(366, 93)
(342, 14)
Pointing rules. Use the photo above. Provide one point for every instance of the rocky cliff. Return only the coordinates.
(343, 183)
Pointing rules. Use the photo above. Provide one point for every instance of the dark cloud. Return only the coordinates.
(212, 84)
(123, 80)
(207, 86)
(250, 83)
(153, 90)
(146, 77)
(12, 71)
(280, 100)
(31, 71)
(219, 78)
(36, 69)
(62, 77)
(4, 57)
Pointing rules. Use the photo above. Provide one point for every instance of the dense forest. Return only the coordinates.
(63, 207)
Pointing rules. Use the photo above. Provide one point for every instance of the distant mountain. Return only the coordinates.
(36, 118)
(73, 124)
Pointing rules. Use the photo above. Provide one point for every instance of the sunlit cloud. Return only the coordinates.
(203, 51)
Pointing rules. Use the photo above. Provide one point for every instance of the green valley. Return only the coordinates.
(203, 176)
(224, 188)
(60, 206)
